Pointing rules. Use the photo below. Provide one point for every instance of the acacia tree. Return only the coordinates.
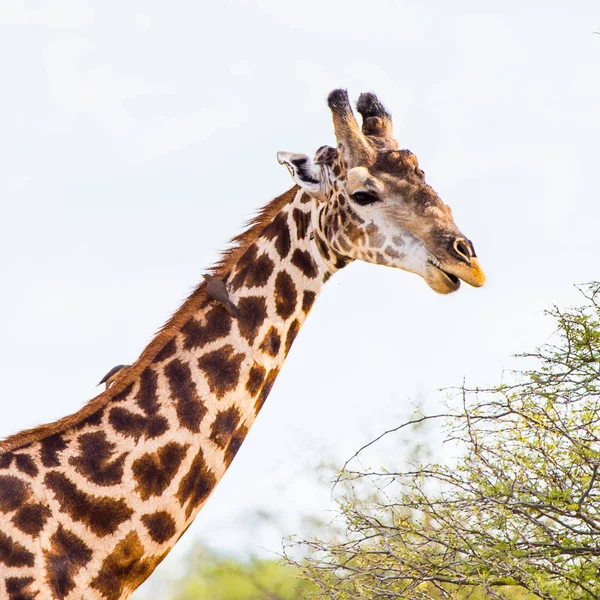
(516, 515)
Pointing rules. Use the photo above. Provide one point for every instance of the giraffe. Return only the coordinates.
(90, 504)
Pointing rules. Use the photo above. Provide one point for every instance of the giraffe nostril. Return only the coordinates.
(463, 250)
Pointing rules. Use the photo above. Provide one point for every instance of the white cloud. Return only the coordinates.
(114, 100)
(51, 14)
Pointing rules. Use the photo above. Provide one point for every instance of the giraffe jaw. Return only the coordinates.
(446, 279)
(439, 280)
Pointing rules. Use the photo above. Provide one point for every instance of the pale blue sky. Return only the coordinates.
(138, 137)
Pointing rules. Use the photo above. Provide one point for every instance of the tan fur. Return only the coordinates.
(229, 258)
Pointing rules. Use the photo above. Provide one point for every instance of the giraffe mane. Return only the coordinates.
(238, 246)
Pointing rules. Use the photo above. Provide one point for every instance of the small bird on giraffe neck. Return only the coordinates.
(110, 377)
(217, 290)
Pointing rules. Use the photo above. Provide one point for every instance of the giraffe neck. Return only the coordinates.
(112, 494)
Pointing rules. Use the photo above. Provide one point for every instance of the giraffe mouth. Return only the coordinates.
(447, 281)
(452, 281)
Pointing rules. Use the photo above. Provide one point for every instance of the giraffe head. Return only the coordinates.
(373, 203)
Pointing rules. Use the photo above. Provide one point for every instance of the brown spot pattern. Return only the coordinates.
(291, 334)
(304, 261)
(100, 513)
(94, 419)
(234, 444)
(124, 569)
(26, 464)
(188, 404)
(6, 459)
(50, 449)
(266, 389)
(258, 274)
(255, 379)
(254, 313)
(13, 554)
(302, 220)
(271, 342)
(285, 295)
(94, 459)
(166, 352)
(16, 588)
(160, 525)
(146, 397)
(67, 555)
(308, 299)
(196, 485)
(154, 472)
(196, 335)
(31, 518)
(13, 493)
(224, 426)
(243, 267)
(322, 247)
(279, 231)
(222, 369)
(134, 425)
(123, 395)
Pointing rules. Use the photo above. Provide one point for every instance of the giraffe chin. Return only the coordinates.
(440, 281)
(443, 281)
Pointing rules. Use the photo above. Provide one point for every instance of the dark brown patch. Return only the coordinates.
(26, 464)
(266, 389)
(160, 526)
(254, 313)
(156, 426)
(243, 267)
(291, 335)
(95, 460)
(188, 404)
(124, 569)
(154, 472)
(222, 369)
(6, 459)
(51, 447)
(196, 335)
(340, 263)
(13, 493)
(322, 247)
(308, 299)
(94, 419)
(146, 397)
(304, 198)
(166, 352)
(258, 274)
(285, 295)
(101, 514)
(67, 555)
(196, 485)
(302, 220)
(271, 342)
(224, 426)
(255, 379)
(234, 444)
(126, 422)
(134, 425)
(31, 518)
(279, 230)
(124, 394)
(16, 588)
(13, 554)
(304, 261)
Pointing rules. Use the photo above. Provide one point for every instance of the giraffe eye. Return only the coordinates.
(363, 198)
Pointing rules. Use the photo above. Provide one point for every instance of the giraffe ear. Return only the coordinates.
(305, 173)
